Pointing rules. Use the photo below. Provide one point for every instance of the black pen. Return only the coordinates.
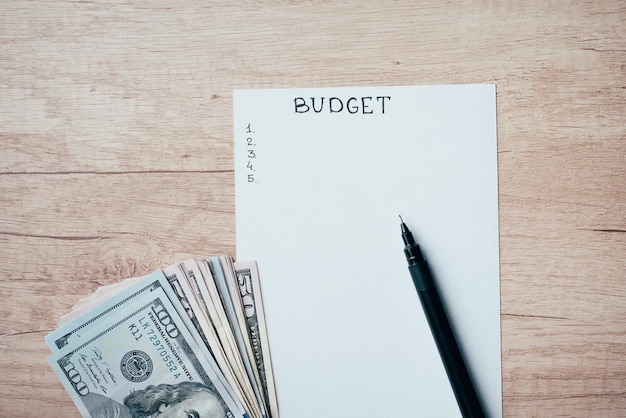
(440, 327)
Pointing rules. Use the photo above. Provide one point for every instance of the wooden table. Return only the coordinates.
(117, 159)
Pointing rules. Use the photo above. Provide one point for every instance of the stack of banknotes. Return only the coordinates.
(189, 340)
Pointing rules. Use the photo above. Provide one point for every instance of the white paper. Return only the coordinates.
(318, 196)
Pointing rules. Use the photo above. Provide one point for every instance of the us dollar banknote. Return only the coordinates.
(247, 276)
(222, 342)
(129, 364)
(87, 317)
(223, 274)
(188, 340)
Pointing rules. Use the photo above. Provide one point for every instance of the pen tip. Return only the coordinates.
(400, 216)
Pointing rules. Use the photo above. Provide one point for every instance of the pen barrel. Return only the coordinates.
(447, 345)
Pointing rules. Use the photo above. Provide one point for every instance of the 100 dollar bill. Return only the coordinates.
(75, 328)
(118, 365)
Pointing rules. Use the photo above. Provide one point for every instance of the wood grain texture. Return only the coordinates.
(117, 159)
